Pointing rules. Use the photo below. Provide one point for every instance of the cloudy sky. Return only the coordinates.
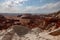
(29, 6)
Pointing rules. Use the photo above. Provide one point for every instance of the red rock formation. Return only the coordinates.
(31, 21)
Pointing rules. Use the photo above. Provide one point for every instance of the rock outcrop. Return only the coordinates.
(45, 22)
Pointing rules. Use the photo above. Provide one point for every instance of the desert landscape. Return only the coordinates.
(29, 19)
(30, 27)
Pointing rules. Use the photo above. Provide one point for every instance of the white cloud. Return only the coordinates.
(50, 7)
(13, 3)
(32, 8)
(10, 6)
(9, 10)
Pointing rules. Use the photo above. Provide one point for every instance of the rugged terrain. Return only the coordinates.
(39, 24)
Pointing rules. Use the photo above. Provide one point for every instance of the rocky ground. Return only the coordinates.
(34, 34)
(30, 27)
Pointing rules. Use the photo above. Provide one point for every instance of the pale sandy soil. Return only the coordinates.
(35, 34)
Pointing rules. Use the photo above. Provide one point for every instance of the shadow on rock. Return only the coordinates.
(20, 30)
